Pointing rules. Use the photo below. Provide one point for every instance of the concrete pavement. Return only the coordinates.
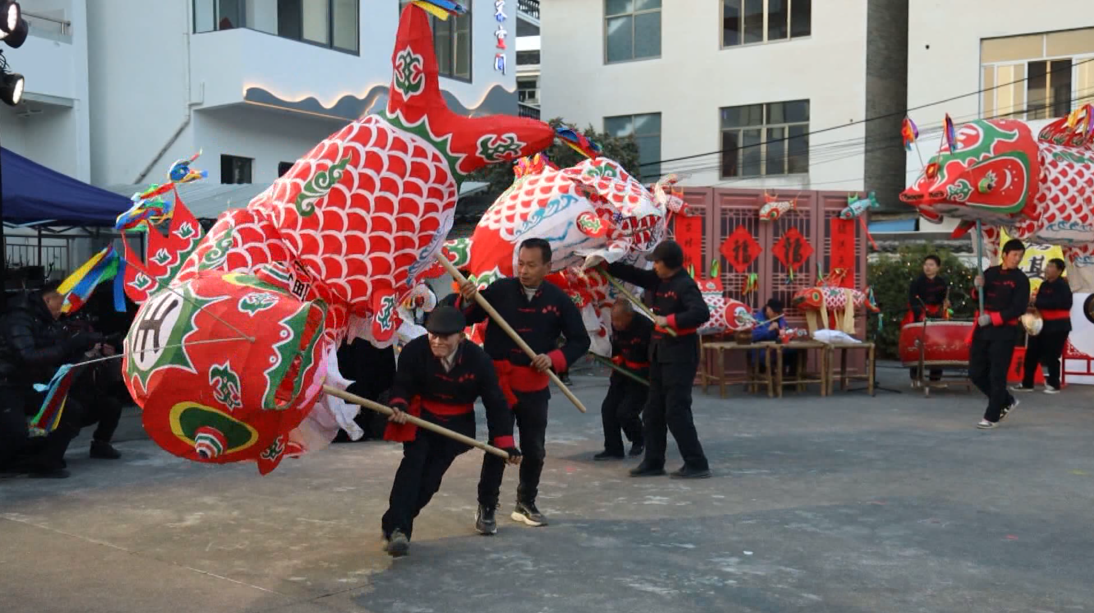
(847, 503)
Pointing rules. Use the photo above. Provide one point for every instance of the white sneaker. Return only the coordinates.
(1008, 409)
(1020, 388)
(1051, 390)
(986, 425)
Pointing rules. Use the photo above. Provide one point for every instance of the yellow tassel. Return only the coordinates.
(433, 9)
(74, 278)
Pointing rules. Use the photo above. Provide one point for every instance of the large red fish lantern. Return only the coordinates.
(330, 250)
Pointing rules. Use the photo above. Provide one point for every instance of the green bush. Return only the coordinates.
(890, 278)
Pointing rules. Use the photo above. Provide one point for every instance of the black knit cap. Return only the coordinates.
(445, 320)
(669, 253)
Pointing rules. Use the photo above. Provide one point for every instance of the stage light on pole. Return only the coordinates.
(11, 16)
(11, 88)
(13, 28)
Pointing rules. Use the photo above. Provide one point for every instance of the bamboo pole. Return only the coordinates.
(460, 280)
(634, 299)
(619, 369)
(417, 421)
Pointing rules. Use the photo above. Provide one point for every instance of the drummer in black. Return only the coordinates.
(928, 296)
(1006, 295)
(1053, 303)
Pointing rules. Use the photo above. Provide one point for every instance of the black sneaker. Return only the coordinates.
(608, 455)
(484, 521)
(637, 449)
(398, 544)
(687, 472)
(527, 513)
(104, 451)
(646, 470)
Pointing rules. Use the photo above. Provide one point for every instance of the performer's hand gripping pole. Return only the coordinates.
(421, 423)
(634, 299)
(460, 279)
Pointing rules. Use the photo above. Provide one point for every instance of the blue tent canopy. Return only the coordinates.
(34, 193)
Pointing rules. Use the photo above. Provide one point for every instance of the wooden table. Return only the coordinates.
(801, 378)
(752, 377)
(868, 375)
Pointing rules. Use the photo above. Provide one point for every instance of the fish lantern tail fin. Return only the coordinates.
(415, 103)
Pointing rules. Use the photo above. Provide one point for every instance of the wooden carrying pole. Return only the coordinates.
(619, 369)
(460, 279)
(417, 421)
(634, 299)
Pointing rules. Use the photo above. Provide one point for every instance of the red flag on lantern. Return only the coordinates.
(740, 249)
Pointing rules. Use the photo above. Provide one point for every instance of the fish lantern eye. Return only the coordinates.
(932, 170)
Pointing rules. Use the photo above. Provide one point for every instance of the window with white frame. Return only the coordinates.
(765, 139)
(646, 129)
(632, 30)
(452, 40)
(747, 22)
(1037, 76)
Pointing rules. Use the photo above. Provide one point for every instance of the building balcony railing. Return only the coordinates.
(527, 110)
(529, 8)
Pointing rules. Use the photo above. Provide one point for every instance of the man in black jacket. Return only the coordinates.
(439, 377)
(539, 312)
(1006, 295)
(928, 296)
(1054, 304)
(626, 397)
(32, 347)
(678, 305)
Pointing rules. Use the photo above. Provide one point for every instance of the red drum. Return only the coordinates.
(946, 343)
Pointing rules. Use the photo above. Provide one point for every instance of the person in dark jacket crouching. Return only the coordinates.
(678, 305)
(438, 379)
(32, 347)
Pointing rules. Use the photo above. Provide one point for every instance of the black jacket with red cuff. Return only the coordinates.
(539, 321)
(422, 383)
(1006, 297)
(631, 346)
(679, 300)
(1054, 303)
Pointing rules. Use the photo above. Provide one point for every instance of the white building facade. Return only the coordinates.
(255, 84)
(730, 93)
(51, 125)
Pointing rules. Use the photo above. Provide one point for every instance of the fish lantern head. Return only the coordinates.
(809, 299)
(991, 175)
(225, 365)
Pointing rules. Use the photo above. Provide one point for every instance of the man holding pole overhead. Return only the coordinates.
(539, 312)
(679, 310)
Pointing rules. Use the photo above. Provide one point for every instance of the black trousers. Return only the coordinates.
(989, 361)
(1044, 349)
(935, 373)
(620, 412)
(16, 446)
(530, 413)
(669, 407)
(13, 426)
(103, 409)
(425, 460)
